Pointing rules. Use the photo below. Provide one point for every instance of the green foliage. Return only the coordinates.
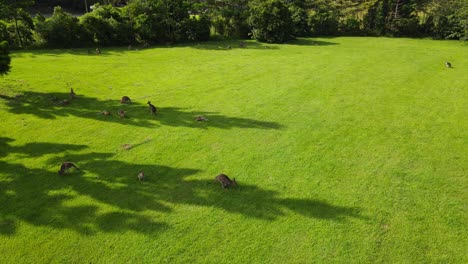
(324, 23)
(229, 18)
(20, 23)
(350, 27)
(270, 21)
(299, 19)
(160, 20)
(196, 28)
(4, 58)
(61, 30)
(449, 20)
(106, 25)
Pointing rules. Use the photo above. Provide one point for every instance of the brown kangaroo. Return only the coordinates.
(72, 93)
(141, 176)
(121, 113)
(106, 113)
(65, 167)
(152, 108)
(125, 100)
(225, 181)
(201, 118)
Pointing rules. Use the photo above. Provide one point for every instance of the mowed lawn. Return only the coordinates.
(346, 150)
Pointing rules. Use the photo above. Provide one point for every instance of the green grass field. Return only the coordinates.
(346, 150)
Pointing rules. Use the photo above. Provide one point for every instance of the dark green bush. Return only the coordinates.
(350, 27)
(324, 23)
(106, 25)
(61, 30)
(299, 19)
(270, 21)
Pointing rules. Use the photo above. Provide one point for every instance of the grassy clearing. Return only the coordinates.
(345, 149)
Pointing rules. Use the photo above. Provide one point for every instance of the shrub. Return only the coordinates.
(196, 28)
(270, 21)
(106, 25)
(350, 27)
(60, 30)
(299, 19)
(324, 23)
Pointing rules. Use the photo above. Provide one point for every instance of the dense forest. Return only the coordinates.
(79, 23)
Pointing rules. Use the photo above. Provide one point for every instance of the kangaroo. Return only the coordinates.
(141, 176)
(72, 93)
(65, 102)
(65, 167)
(98, 51)
(106, 113)
(121, 113)
(152, 108)
(448, 64)
(242, 44)
(201, 118)
(225, 181)
(125, 100)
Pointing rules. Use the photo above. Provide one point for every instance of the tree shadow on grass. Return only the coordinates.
(230, 45)
(49, 106)
(105, 196)
(178, 117)
(121, 51)
(310, 42)
(223, 45)
(35, 149)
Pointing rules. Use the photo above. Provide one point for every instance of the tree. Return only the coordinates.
(270, 21)
(229, 17)
(61, 30)
(14, 10)
(449, 19)
(4, 58)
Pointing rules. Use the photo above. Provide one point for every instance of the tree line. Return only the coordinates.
(275, 21)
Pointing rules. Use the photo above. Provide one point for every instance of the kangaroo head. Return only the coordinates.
(234, 183)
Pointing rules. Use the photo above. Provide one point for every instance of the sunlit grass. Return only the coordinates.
(345, 150)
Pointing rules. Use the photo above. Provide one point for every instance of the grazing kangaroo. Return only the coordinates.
(448, 64)
(65, 167)
(201, 118)
(141, 176)
(152, 108)
(125, 100)
(106, 113)
(65, 102)
(121, 113)
(72, 93)
(225, 181)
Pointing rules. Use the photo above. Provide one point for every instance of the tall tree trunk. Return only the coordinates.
(397, 6)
